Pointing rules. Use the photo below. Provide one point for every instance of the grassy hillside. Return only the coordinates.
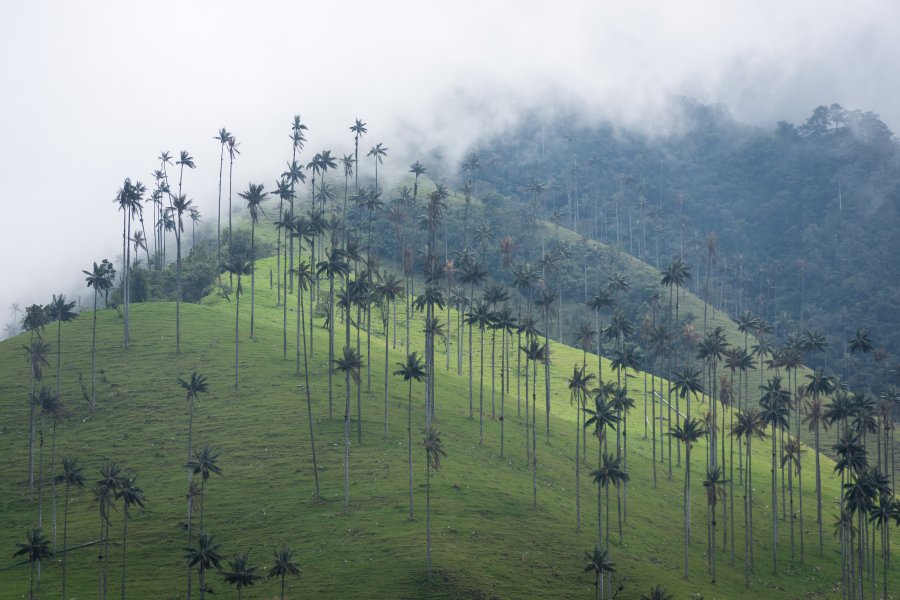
(488, 541)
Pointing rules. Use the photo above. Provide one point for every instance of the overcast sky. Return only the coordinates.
(91, 92)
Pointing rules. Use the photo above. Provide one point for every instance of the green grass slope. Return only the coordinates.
(488, 542)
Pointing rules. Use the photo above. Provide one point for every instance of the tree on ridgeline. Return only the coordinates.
(129, 198)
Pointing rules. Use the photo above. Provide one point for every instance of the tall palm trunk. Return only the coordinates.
(178, 286)
(252, 275)
(774, 504)
(687, 505)
(312, 438)
(428, 518)
(534, 436)
(237, 316)
(94, 355)
(481, 392)
(409, 447)
(65, 540)
(124, 547)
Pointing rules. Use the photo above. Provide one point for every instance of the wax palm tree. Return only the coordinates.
(657, 593)
(37, 351)
(255, 195)
(411, 370)
(241, 573)
(819, 385)
(101, 279)
(349, 363)
(71, 476)
(416, 169)
(358, 129)
(579, 386)
(378, 152)
(284, 565)
(222, 137)
(284, 191)
(687, 383)
(51, 405)
(790, 456)
(434, 452)
(204, 464)
(880, 516)
(387, 292)
(715, 490)
(237, 264)
(688, 432)
(129, 198)
(205, 556)
(131, 496)
(106, 490)
(600, 563)
(473, 274)
(480, 316)
(774, 413)
(35, 549)
(608, 472)
(334, 265)
(536, 354)
(192, 387)
(62, 312)
(748, 425)
(179, 206)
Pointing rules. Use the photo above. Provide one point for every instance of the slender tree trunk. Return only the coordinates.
(409, 447)
(312, 439)
(124, 548)
(481, 392)
(253, 275)
(687, 505)
(386, 349)
(428, 519)
(774, 505)
(94, 356)
(237, 315)
(65, 541)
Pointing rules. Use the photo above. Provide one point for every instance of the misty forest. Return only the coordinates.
(575, 360)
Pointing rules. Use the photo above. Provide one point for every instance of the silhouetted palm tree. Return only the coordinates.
(241, 573)
(688, 432)
(71, 476)
(237, 264)
(434, 452)
(204, 464)
(101, 278)
(410, 370)
(600, 564)
(36, 549)
(131, 496)
(284, 565)
(349, 363)
(255, 195)
(205, 556)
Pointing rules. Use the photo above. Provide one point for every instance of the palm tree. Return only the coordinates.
(179, 205)
(688, 432)
(284, 191)
(131, 496)
(579, 385)
(535, 353)
(284, 565)
(349, 363)
(791, 457)
(747, 426)
(71, 476)
(36, 549)
(237, 265)
(715, 490)
(775, 413)
(101, 279)
(129, 199)
(387, 292)
(600, 564)
(205, 556)
(480, 316)
(657, 593)
(241, 573)
(106, 490)
(37, 352)
(687, 382)
(410, 370)
(193, 387)
(334, 265)
(255, 195)
(50, 405)
(204, 464)
(819, 385)
(609, 471)
(378, 152)
(358, 128)
(62, 312)
(222, 138)
(434, 451)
